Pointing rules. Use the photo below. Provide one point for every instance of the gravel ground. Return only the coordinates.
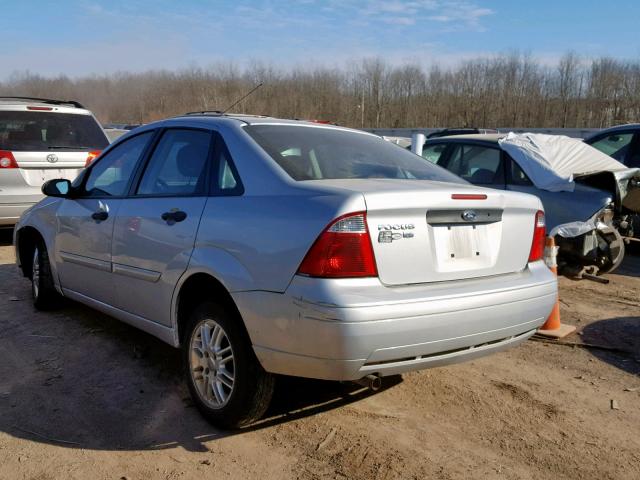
(84, 396)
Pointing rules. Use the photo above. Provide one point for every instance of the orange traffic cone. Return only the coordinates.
(552, 327)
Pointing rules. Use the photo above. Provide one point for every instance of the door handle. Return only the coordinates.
(100, 216)
(174, 216)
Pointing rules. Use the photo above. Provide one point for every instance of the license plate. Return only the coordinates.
(36, 177)
(462, 241)
(461, 246)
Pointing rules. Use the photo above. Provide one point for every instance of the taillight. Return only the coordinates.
(7, 160)
(91, 156)
(539, 235)
(343, 250)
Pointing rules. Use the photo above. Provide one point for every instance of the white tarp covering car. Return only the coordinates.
(553, 161)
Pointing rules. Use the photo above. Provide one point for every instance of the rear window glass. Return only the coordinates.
(36, 131)
(314, 153)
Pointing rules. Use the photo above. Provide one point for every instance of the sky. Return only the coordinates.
(82, 37)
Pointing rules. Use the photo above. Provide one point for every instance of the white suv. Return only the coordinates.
(41, 139)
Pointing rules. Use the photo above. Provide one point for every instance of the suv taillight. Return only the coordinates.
(7, 160)
(91, 156)
(539, 234)
(343, 250)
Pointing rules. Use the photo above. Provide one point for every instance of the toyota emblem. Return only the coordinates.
(52, 158)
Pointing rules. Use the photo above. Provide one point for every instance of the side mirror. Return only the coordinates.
(59, 187)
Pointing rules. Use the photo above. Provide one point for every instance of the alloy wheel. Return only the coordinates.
(211, 363)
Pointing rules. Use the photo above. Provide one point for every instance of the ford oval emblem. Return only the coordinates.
(469, 215)
(52, 158)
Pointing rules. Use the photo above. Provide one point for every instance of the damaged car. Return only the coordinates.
(589, 197)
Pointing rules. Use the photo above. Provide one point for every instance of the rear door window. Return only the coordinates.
(516, 174)
(433, 152)
(40, 131)
(226, 180)
(476, 163)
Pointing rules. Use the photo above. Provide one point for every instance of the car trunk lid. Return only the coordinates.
(38, 167)
(425, 231)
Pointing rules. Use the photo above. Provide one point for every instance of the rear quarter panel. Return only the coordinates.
(257, 242)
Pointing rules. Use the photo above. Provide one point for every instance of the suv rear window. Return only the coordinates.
(316, 153)
(35, 131)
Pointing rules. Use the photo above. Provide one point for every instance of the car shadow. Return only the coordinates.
(80, 379)
(615, 341)
(6, 237)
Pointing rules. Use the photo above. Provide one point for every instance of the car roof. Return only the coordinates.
(487, 137)
(246, 119)
(616, 128)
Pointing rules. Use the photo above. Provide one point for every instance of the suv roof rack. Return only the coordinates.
(46, 100)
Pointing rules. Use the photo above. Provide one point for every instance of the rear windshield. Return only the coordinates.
(36, 131)
(314, 153)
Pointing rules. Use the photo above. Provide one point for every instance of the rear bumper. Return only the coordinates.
(346, 329)
(10, 212)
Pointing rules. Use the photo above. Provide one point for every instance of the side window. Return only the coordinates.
(614, 145)
(433, 152)
(633, 158)
(178, 164)
(226, 181)
(517, 175)
(111, 174)
(476, 164)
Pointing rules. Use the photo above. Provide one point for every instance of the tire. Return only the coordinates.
(616, 251)
(44, 293)
(228, 385)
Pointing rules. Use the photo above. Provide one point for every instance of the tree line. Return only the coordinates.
(509, 90)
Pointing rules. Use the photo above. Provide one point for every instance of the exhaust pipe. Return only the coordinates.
(372, 382)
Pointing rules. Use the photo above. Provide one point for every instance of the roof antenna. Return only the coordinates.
(242, 98)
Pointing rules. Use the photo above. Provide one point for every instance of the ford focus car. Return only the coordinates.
(262, 246)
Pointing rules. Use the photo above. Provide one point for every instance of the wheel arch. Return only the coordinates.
(191, 291)
(26, 239)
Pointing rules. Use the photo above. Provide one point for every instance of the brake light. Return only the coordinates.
(468, 196)
(91, 156)
(43, 109)
(343, 250)
(539, 235)
(7, 160)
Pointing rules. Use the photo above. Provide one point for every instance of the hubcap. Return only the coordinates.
(211, 363)
(35, 274)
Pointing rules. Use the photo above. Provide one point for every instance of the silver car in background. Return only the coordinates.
(41, 139)
(262, 246)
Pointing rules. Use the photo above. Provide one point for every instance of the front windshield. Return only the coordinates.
(317, 153)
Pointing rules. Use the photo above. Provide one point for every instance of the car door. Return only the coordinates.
(85, 222)
(156, 226)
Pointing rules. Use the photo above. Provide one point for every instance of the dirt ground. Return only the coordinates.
(84, 396)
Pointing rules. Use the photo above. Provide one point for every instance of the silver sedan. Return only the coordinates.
(263, 246)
